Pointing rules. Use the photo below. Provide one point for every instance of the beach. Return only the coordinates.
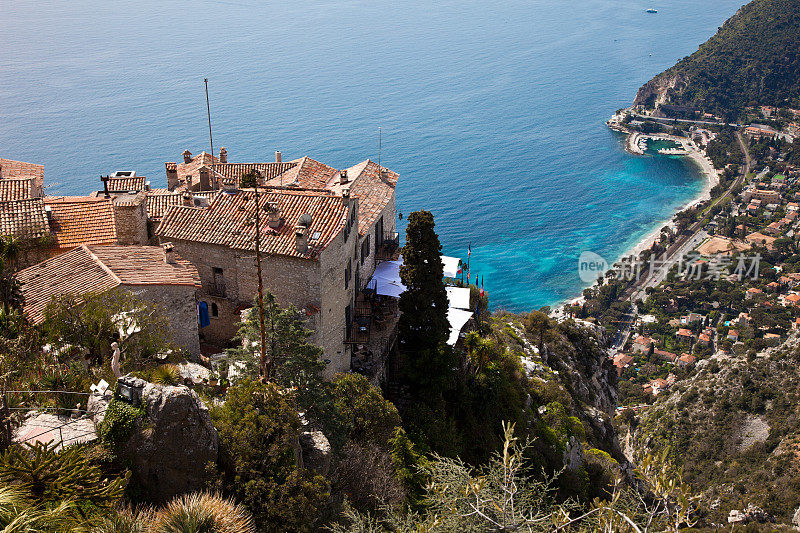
(711, 179)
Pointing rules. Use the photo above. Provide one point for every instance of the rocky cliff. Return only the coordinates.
(752, 60)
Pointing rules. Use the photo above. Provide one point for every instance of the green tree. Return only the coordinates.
(258, 428)
(423, 327)
(249, 179)
(364, 414)
(85, 326)
(295, 362)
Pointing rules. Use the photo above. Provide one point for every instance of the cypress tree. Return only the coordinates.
(423, 326)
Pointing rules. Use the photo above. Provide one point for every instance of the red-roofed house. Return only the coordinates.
(686, 360)
(152, 273)
(685, 335)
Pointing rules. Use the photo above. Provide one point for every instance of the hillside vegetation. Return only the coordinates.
(752, 60)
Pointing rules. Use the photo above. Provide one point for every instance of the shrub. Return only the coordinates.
(119, 423)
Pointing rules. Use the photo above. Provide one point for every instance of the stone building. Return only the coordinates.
(352, 226)
(151, 273)
(31, 172)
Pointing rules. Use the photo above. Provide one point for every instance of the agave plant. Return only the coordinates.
(125, 520)
(202, 512)
(166, 375)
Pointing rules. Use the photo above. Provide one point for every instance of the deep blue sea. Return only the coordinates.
(492, 112)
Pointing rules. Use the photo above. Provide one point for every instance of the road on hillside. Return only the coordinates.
(678, 249)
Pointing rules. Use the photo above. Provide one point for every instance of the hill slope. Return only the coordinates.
(754, 59)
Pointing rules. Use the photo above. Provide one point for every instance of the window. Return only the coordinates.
(214, 310)
(378, 233)
(365, 249)
(219, 282)
(347, 270)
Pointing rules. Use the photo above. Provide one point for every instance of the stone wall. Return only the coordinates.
(314, 286)
(389, 226)
(179, 305)
(131, 222)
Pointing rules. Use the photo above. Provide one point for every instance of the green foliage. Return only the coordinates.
(88, 324)
(166, 375)
(362, 411)
(52, 478)
(294, 361)
(423, 327)
(408, 464)
(19, 513)
(200, 512)
(119, 423)
(249, 179)
(746, 63)
(258, 426)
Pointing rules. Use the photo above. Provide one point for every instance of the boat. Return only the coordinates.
(651, 10)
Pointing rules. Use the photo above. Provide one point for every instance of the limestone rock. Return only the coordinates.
(316, 451)
(175, 442)
(96, 407)
(796, 519)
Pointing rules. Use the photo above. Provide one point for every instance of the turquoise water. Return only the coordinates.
(493, 114)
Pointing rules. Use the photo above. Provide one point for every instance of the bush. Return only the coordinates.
(119, 423)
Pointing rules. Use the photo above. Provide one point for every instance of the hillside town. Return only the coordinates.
(328, 240)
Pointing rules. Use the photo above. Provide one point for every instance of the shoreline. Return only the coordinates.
(710, 178)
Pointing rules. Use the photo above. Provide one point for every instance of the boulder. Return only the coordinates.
(316, 451)
(174, 443)
(796, 519)
(96, 407)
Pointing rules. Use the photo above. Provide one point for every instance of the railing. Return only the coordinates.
(389, 248)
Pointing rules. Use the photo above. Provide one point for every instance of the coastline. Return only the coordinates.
(710, 178)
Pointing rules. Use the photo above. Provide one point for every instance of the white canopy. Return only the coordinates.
(457, 318)
(450, 266)
(387, 279)
(388, 287)
(458, 297)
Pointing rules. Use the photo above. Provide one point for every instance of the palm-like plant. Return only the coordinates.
(19, 514)
(166, 375)
(202, 512)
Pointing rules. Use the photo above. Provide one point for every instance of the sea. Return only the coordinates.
(492, 112)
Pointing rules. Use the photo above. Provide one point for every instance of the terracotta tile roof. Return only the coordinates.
(230, 173)
(24, 219)
(77, 220)
(226, 222)
(16, 189)
(190, 169)
(306, 174)
(159, 200)
(373, 190)
(137, 183)
(19, 169)
(98, 269)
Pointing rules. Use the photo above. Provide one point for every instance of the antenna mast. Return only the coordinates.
(210, 137)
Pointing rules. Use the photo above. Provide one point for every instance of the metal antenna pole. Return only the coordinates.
(210, 137)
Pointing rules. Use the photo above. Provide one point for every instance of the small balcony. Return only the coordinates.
(389, 248)
(358, 331)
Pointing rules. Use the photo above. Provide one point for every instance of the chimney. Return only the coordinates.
(301, 239)
(274, 215)
(169, 253)
(188, 201)
(278, 156)
(343, 177)
(345, 196)
(187, 156)
(105, 179)
(223, 155)
(205, 178)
